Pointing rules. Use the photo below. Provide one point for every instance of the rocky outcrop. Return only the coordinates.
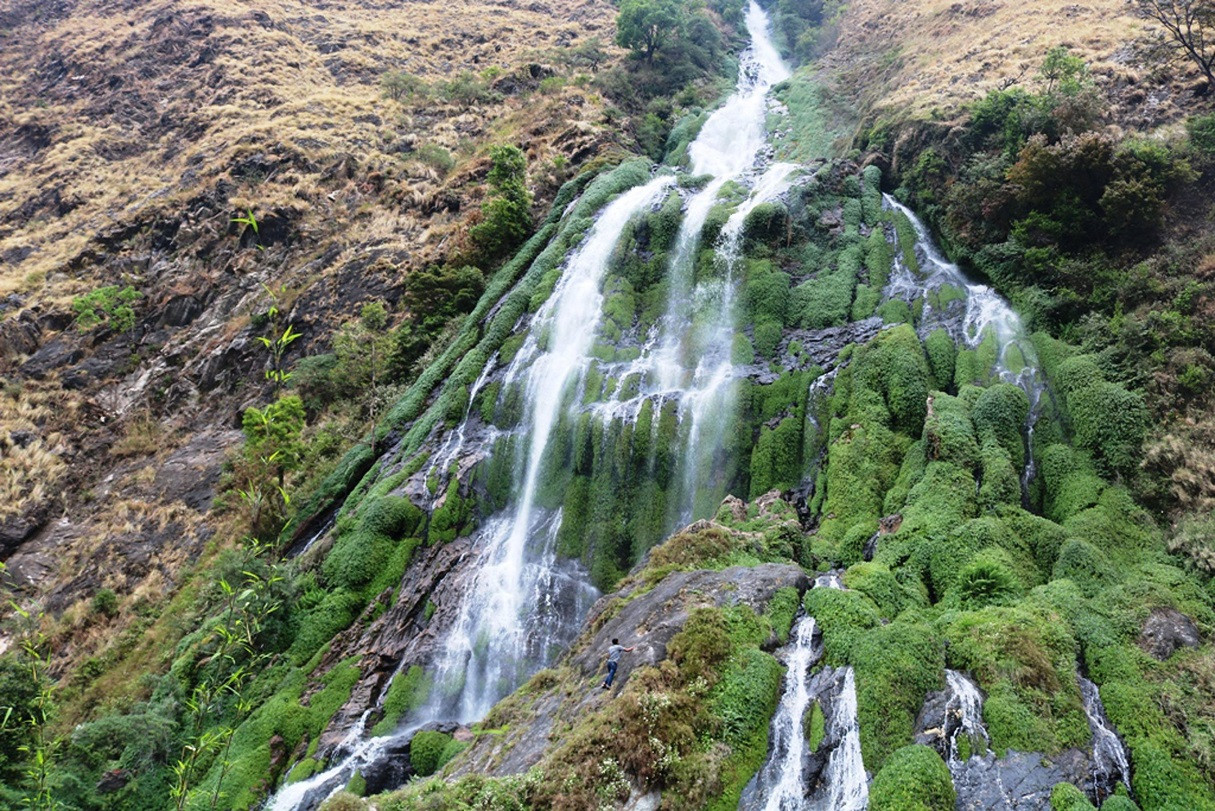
(1165, 630)
(640, 616)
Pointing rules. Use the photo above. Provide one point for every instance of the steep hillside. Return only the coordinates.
(866, 404)
(170, 172)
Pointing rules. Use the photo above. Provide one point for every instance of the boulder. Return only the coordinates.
(1166, 630)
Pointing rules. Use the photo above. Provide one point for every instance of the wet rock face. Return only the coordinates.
(1166, 630)
(1020, 781)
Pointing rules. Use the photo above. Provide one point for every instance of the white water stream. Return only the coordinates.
(525, 604)
(987, 312)
(783, 782)
(1110, 760)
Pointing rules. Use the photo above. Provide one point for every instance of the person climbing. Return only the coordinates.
(615, 651)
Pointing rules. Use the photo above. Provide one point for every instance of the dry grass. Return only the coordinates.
(213, 89)
(30, 454)
(928, 57)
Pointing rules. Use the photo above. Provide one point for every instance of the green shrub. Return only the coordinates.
(110, 304)
(896, 665)
(1110, 423)
(942, 356)
(1085, 565)
(1066, 797)
(105, 603)
(841, 615)
(1002, 409)
(913, 779)
(877, 583)
(986, 580)
(1202, 133)
(426, 751)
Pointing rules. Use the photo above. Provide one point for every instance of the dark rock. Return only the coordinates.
(890, 524)
(191, 473)
(1166, 630)
(1020, 781)
(19, 336)
(180, 311)
(17, 529)
(53, 355)
(390, 770)
(113, 780)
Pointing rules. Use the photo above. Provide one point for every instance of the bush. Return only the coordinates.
(506, 217)
(111, 304)
(105, 603)
(426, 751)
(986, 580)
(1202, 133)
(1110, 423)
(1002, 409)
(913, 779)
(1066, 797)
(1085, 565)
(896, 665)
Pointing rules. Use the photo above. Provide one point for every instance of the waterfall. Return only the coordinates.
(964, 719)
(788, 780)
(781, 779)
(503, 633)
(847, 785)
(987, 312)
(1110, 761)
(525, 602)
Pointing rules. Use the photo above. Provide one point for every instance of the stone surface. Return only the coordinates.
(1166, 630)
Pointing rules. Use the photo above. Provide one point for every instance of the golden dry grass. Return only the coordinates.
(928, 57)
(202, 86)
(30, 448)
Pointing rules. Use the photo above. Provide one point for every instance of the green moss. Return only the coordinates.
(942, 356)
(896, 665)
(913, 779)
(877, 583)
(407, 692)
(426, 751)
(816, 726)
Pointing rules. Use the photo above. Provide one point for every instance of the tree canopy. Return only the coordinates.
(645, 25)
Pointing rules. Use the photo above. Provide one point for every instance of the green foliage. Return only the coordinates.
(426, 751)
(1066, 797)
(105, 603)
(644, 26)
(506, 217)
(1202, 133)
(913, 779)
(896, 665)
(400, 86)
(110, 305)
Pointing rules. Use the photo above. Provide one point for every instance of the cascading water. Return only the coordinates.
(503, 632)
(781, 780)
(847, 784)
(987, 313)
(1110, 761)
(964, 719)
(525, 601)
(786, 782)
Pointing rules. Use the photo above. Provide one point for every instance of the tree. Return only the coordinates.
(506, 216)
(1189, 28)
(645, 25)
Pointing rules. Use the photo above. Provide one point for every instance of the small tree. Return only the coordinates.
(1189, 28)
(398, 85)
(506, 214)
(644, 26)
